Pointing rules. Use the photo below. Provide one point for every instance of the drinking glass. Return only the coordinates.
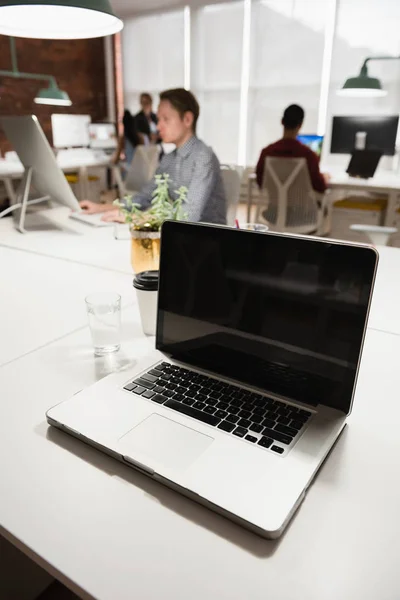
(104, 314)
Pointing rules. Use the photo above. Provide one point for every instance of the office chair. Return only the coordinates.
(141, 170)
(231, 181)
(292, 204)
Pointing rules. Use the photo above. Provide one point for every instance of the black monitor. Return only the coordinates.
(374, 133)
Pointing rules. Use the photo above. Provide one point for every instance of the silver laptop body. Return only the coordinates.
(258, 345)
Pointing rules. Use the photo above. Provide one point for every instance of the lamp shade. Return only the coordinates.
(362, 86)
(58, 19)
(53, 95)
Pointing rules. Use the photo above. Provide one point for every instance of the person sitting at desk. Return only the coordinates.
(192, 164)
(146, 120)
(129, 140)
(290, 147)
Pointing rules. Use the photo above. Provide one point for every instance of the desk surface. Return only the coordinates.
(52, 233)
(9, 168)
(112, 534)
(42, 299)
(137, 539)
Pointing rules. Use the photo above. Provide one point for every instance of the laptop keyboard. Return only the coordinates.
(260, 420)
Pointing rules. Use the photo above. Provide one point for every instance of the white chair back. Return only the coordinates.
(292, 204)
(231, 182)
(143, 167)
(141, 170)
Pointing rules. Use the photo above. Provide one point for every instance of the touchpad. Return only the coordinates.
(164, 441)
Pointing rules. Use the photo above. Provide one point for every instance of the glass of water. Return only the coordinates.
(104, 314)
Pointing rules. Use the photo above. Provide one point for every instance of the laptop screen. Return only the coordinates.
(280, 313)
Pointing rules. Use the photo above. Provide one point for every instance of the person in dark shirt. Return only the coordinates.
(146, 119)
(130, 139)
(290, 147)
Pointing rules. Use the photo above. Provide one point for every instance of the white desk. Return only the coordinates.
(52, 233)
(383, 182)
(385, 307)
(112, 534)
(10, 170)
(42, 299)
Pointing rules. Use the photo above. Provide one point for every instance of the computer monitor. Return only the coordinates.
(70, 131)
(314, 142)
(103, 136)
(37, 156)
(364, 133)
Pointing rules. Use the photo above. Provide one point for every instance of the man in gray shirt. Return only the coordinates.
(192, 164)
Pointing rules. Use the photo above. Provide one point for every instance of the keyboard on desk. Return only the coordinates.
(94, 220)
(248, 415)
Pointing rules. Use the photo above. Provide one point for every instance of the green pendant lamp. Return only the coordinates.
(53, 95)
(58, 19)
(364, 86)
(50, 95)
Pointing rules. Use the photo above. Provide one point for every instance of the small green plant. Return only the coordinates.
(162, 207)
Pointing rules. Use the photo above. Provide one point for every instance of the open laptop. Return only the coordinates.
(258, 345)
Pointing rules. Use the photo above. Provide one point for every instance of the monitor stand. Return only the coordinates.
(22, 201)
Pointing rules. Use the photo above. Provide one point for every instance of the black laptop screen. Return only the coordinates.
(281, 313)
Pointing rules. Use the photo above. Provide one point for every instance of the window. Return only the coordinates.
(153, 55)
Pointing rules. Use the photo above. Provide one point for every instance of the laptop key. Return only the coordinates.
(158, 389)
(277, 449)
(250, 438)
(232, 418)
(240, 431)
(226, 426)
(275, 435)
(149, 377)
(284, 429)
(155, 372)
(144, 383)
(192, 412)
(199, 405)
(148, 394)
(296, 425)
(163, 365)
(139, 390)
(256, 418)
(210, 410)
(256, 427)
(244, 423)
(188, 401)
(268, 423)
(159, 398)
(222, 414)
(246, 414)
(130, 386)
(265, 442)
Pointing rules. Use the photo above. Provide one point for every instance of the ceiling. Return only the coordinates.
(125, 8)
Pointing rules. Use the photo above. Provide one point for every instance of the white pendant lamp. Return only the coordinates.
(58, 19)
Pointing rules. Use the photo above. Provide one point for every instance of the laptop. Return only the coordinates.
(363, 163)
(314, 142)
(258, 345)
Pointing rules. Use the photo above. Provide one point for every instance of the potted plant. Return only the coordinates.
(145, 224)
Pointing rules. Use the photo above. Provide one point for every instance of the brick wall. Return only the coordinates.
(77, 65)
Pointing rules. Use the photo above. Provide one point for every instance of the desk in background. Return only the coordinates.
(14, 170)
(384, 182)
